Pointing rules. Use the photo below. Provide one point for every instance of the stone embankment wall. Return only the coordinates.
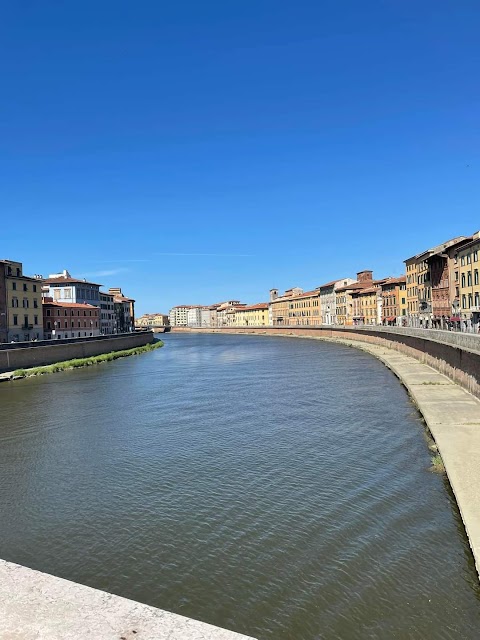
(51, 352)
(456, 355)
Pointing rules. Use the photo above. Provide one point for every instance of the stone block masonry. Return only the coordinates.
(50, 352)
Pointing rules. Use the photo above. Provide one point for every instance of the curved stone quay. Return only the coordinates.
(453, 418)
(35, 606)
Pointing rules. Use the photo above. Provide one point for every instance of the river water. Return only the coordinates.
(274, 486)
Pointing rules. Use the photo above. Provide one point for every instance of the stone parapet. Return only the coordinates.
(38, 606)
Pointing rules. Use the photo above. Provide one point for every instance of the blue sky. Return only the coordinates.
(193, 152)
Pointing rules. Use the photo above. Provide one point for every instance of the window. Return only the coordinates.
(469, 258)
(14, 286)
(34, 288)
(67, 293)
(15, 319)
(49, 326)
(14, 302)
(463, 279)
(462, 261)
(464, 301)
(25, 288)
(56, 294)
(469, 279)
(475, 256)
(35, 319)
(25, 320)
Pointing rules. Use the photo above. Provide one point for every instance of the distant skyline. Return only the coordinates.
(195, 152)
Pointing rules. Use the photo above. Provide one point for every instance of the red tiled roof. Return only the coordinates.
(330, 284)
(397, 280)
(260, 305)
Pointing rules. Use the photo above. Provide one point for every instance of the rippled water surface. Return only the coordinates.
(278, 487)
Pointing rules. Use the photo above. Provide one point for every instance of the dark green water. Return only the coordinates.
(273, 486)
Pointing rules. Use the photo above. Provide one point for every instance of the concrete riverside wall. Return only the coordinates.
(36, 356)
(456, 355)
(37, 606)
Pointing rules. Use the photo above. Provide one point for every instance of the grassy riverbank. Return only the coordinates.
(76, 363)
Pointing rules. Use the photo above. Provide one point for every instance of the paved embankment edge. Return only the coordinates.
(36, 606)
(452, 415)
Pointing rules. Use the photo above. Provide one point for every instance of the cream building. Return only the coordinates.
(178, 316)
(328, 301)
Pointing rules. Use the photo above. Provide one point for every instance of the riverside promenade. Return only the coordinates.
(37, 606)
(450, 411)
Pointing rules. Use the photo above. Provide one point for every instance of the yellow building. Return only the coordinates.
(152, 320)
(468, 266)
(394, 301)
(367, 311)
(280, 305)
(347, 303)
(23, 308)
(304, 309)
(255, 315)
(295, 307)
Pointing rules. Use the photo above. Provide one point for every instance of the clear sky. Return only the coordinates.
(196, 151)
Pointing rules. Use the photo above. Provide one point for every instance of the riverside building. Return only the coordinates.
(468, 266)
(255, 315)
(178, 315)
(327, 300)
(20, 304)
(124, 309)
(280, 305)
(394, 301)
(62, 287)
(347, 307)
(198, 316)
(107, 313)
(70, 320)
